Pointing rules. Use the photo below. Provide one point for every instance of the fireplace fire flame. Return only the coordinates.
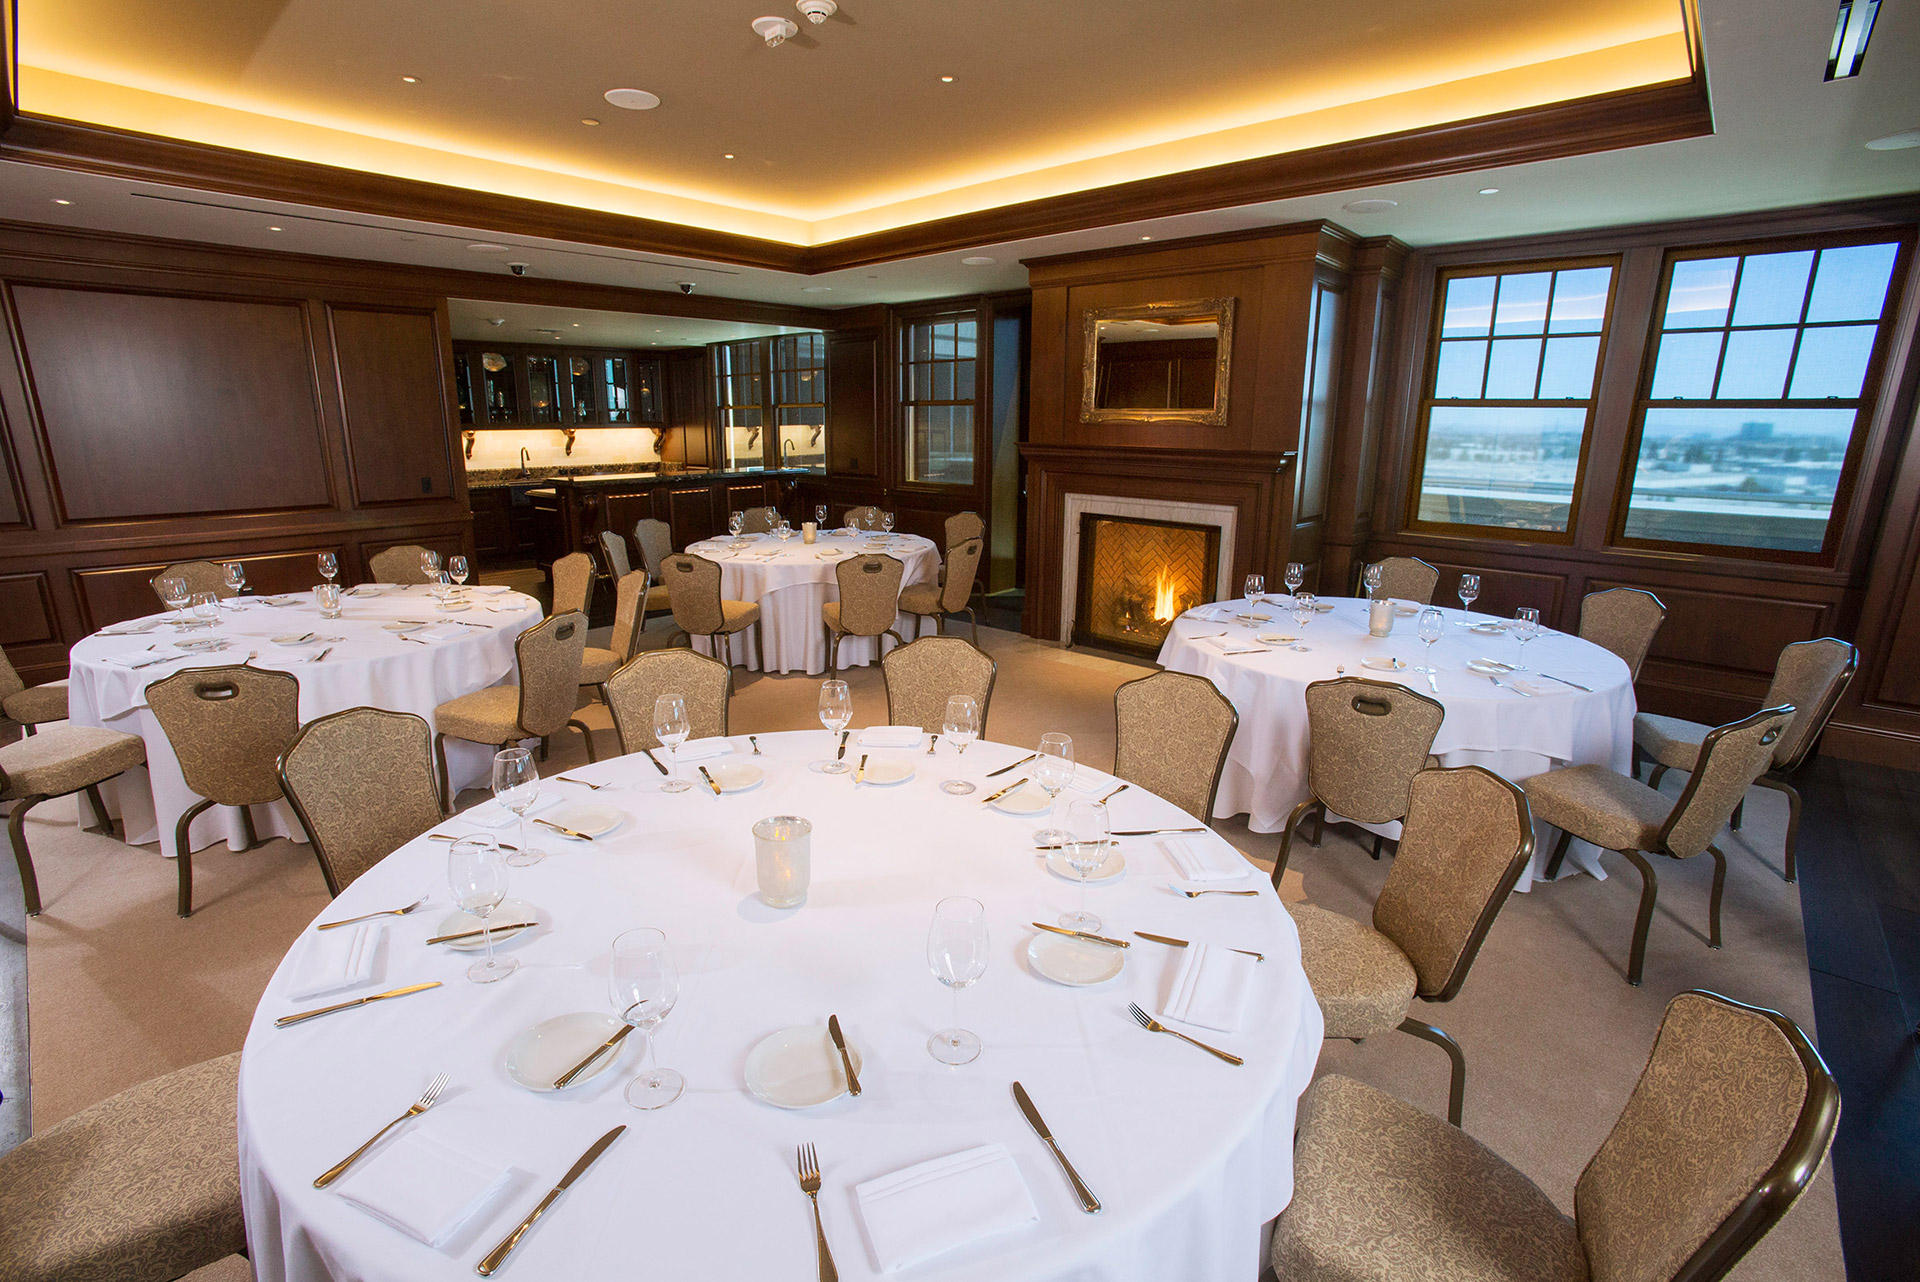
(1165, 603)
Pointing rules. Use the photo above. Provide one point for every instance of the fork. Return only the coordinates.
(421, 1105)
(1195, 894)
(810, 1185)
(1153, 1025)
(1504, 686)
(931, 741)
(583, 783)
(755, 741)
(384, 912)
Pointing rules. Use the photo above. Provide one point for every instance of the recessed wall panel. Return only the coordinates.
(392, 392)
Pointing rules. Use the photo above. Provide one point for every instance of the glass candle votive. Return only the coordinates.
(783, 860)
(809, 531)
(326, 598)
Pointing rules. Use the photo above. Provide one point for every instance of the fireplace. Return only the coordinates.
(1137, 575)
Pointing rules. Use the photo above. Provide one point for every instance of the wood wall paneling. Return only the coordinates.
(13, 505)
(398, 423)
(854, 404)
(693, 514)
(26, 609)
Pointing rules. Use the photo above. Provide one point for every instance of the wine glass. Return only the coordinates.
(957, 955)
(206, 608)
(671, 727)
(1303, 603)
(962, 727)
(458, 569)
(516, 783)
(1296, 575)
(1053, 771)
(439, 586)
(1256, 588)
(1525, 627)
(1431, 627)
(820, 515)
(429, 563)
(477, 875)
(736, 521)
(1371, 577)
(783, 531)
(236, 576)
(836, 709)
(886, 523)
(1469, 590)
(173, 593)
(329, 566)
(644, 984)
(1085, 849)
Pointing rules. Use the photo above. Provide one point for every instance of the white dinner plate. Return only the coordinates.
(1488, 629)
(1276, 638)
(589, 817)
(1111, 867)
(1024, 800)
(200, 645)
(282, 601)
(799, 1067)
(885, 772)
(401, 625)
(541, 1054)
(736, 776)
(1248, 620)
(451, 607)
(1380, 663)
(509, 910)
(1403, 609)
(1490, 667)
(1074, 962)
(296, 638)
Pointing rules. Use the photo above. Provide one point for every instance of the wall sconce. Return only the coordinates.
(569, 434)
(471, 438)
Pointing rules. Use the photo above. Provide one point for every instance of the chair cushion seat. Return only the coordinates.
(738, 615)
(67, 758)
(658, 598)
(141, 1187)
(1599, 805)
(1669, 740)
(597, 665)
(921, 598)
(1383, 1190)
(36, 704)
(1363, 983)
(491, 715)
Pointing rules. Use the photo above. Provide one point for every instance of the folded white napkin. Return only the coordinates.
(443, 632)
(422, 1187)
(491, 814)
(1232, 645)
(702, 749)
(136, 658)
(889, 737)
(368, 589)
(921, 1211)
(1091, 782)
(1209, 987)
(489, 588)
(281, 657)
(1204, 860)
(336, 959)
(1536, 687)
(133, 628)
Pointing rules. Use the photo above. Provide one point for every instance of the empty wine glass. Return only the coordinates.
(671, 727)
(236, 576)
(957, 955)
(736, 521)
(329, 566)
(1431, 627)
(429, 562)
(962, 727)
(206, 608)
(516, 785)
(1469, 590)
(1303, 603)
(1053, 771)
(1085, 849)
(1256, 588)
(441, 587)
(820, 515)
(173, 593)
(836, 709)
(886, 523)
(1525, 627)
(644, 984)
(783, 531)
(1296, 575)
(458, 569)
(1371, 577)
(477, 875)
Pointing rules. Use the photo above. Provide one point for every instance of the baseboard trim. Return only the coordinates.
(1871, 744)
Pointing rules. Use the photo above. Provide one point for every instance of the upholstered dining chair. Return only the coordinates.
(865, 517)
(1171, 736)
(548, 655)
(27, 705)
(1727, 1126)
(1466, 838)
(706, 685)
(1408, 578)
(398, 564)
(629, 595)
(693, 589)
(613, 550)
(1366, 740)
(1623, 620)
(362, 784)
(655, 541)
(54, 763)
(1616, 812)
(573, 584)
(922, 675)
(758, 520)
(227, 727)
(962, 526)
(199, 576)
(142, 1187)
(869, 602)
(951, 594)
(1810, 675)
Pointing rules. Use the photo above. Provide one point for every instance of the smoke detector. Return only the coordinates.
(817, 11)
(775, 30)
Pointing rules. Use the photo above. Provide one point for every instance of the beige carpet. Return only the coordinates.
(123, 990)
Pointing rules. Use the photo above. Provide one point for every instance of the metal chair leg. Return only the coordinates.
(1649, 891)
(545, 744)
(1713, 904)
(588, 736)
(246, 826)
(1559, 856)
(760, 641)
(17, 834)
(1319, 825)
(183, 856)
(833, 653)
(440, 763)
(1286, 838)
(1659, 773)
(1457, 1087)
(1793, 817)
(1376, 846)
(102, 823)
(1739, 813)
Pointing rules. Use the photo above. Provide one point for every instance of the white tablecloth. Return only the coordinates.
(1190, 1155)
(791, 581)
(368, 666)
(1508, 733)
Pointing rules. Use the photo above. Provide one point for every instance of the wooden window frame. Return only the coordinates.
(776, 369)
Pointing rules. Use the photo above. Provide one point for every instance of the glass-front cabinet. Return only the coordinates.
(503, 396)
(543, 389)
(583, 391)
(507, 387)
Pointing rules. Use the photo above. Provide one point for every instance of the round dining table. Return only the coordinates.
(1516, 724)
(359, 659)
(1187, 1154)
(790, 580)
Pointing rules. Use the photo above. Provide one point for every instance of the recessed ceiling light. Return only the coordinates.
(1489, 191)
(496, 320)
(976, 260)
(1372, 205)
(487, 247)
(946, 80)
(726, 155)
(633, 99)
(588, 120)
(62, 200)
(816, 289)
(1896, 142)
(576, 324)
(274, 229)
(1146, 238)
(412, 80)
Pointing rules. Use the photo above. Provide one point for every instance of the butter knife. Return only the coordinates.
(1081, 934)
(1151, 832)
(840, 1044)
(484, 930)
(1563, 681)
(655, 760)
(1003, 769)
(711, 782)
(842, 754)
(498, 1256)
(562, 829)
(860, 774)
(1088, 1202)
(1004, 791)
(287, 1020)
(566, 1079)
(1171, 942)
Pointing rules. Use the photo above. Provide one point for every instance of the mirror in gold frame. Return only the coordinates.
(1158, 362)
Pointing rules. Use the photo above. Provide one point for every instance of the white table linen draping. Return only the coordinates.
(368, 666)
(1513, 735)
(1190, 1155)
(790, 582)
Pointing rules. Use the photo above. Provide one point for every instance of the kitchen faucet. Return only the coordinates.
(524, 469)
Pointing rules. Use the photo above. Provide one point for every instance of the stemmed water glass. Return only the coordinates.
(1371, 577)
(1431, 627)
(736, 521)
(1256, 588)
(1085, 849)
(173, 592)
(1525, 627)
(671, 727)
(458, 570)
(1303, 603)
(516, 784)
(429, 563)
(1469, 590)
(783, 531)
(206, 608)
(329, 566)
(236, 576)
(820, 515)
(957, 955)
(477, 875)
(1296, 575)
(644, 984)
(962, 727)
(440, 586)
(886, 523)
(1053, 771)
(836, 709)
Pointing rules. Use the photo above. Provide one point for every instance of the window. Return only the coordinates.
(800, 400)
(937, 391)
(1758, 375)
(739, 402)
(1509, 396)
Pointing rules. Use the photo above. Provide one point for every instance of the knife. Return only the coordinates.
(1003, 769)
(498, 1256)
(484, 930)
(1088, 1202)
(1004, 791)
(840, 1044)
(566, 1079)
(1081, 934)
(562, 829)
(1563, 681)
(462, 836)
(842, 754)
(860, 774)
(287, 1020)
(1171, 942)
(711, 783)
(1434, 682)
(323, 654)
(1151, 832)
(655, 760)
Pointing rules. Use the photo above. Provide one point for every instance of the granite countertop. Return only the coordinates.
(503, 478)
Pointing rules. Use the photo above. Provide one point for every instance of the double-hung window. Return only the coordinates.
(739, 402)
(939, 355)
(800, 400)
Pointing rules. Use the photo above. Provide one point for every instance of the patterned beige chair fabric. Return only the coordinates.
(706, 685)
(54, 763)
(862, 518)
(30, 705)
(1408, 578)
(1172, 733)
(1366, 742)
(655, 540)
(363, 785)
(573, 584)
(628, 595)
(962, 526)
(614, 548)
(922, 675)
(399, 564)
(953, 592)
(693, 588)
(1623, 620)
(541, 705)
(868, 605)
(141, 1187)
(200, 576)
(758, 520)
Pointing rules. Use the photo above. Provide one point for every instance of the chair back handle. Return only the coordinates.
(215, 690)
(1371, 706)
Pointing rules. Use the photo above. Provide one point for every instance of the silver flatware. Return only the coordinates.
(566, 1079)
(1088, 1202)
(498, 1256)
(1004, 791)
(287, 1020)
(384, 912)
(931, 741)
(562, 829)
(1434, 683)
(715, 785)
(1504, 686)
(1153, 1025)
(809, 1166)
(655, 760)
(323, 654)
(1003, 769)
(1116, 792)
(1195, 894)
(1152, 832)
(462, 836)
(860, 772)
(1081, 934)
(584, 783)
(1171, 942)
(1563, 681)
(755, 741)
(491, 928)
(419, 1106)
(846, 1060)
(1063, 845)
(842, 754)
